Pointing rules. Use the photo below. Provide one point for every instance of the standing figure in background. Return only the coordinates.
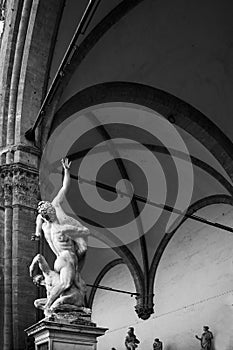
(206, 338)
(157, 345)
(67, 238)
(131, 341)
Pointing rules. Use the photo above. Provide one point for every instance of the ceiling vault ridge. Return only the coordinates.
(210, 170)
(144, 301)
(144, 308)
(100, 276)
(123, 251)
(120, 164)
(185, 115)
(165, 207)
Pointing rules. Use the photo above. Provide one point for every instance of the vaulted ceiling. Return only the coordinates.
(138, 130)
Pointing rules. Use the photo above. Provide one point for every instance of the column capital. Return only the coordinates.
(19, 185)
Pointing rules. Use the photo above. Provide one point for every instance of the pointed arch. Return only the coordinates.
(202, 203)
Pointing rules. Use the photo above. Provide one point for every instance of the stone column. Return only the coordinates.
(2, 217)
(20, 190)
(7, 192)
(25, 199)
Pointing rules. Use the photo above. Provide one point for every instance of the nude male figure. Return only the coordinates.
(72, 296)
(66, 236)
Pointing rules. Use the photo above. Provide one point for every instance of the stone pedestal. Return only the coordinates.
(61, 335)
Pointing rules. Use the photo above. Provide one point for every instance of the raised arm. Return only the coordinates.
(39, 222)
(66, 182)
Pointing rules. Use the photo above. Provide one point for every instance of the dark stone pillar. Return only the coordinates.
(7, 331)
(20, 184)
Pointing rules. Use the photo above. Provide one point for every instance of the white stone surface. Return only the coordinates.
(60, 336)
(193, 287)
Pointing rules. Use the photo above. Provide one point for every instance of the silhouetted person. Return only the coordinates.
(206, 338)
(131, 341)
(157, 345)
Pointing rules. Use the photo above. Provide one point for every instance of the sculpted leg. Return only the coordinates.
(43, 265)
(66, 280)
(58, 302)
(66, 299)
(80, 284)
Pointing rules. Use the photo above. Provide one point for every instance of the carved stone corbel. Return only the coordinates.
(144, 307)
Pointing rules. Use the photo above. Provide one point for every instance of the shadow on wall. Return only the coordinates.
(170, 347)
(229, 346)
(174, 347)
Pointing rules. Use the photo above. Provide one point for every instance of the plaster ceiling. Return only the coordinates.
(133, 137)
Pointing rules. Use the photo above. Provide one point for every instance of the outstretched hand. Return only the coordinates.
(65, 163)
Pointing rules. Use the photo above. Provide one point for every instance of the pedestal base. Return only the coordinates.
(60, 335)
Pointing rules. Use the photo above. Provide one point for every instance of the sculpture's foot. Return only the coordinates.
(41, 304)
(48, 312)
(87, 311)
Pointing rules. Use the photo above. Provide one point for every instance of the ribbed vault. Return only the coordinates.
(179, 114)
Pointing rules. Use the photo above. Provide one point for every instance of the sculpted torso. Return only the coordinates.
(58, 237)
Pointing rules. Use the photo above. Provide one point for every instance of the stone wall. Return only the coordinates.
(193, 287)
(25, 58)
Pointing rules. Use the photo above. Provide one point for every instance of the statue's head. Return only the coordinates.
(131, 330)
(206, 328)
(47, 211)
